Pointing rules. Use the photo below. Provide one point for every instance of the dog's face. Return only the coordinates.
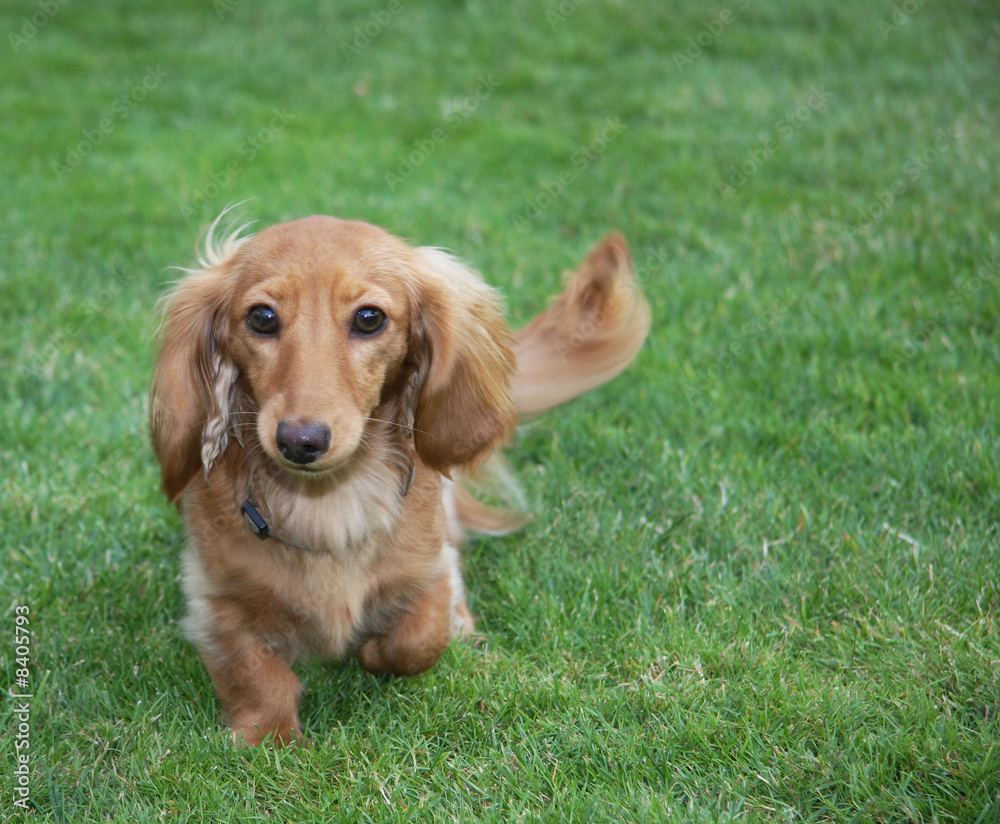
(309, 332)
(319, 325)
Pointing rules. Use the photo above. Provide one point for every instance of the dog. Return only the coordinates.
(322, 395)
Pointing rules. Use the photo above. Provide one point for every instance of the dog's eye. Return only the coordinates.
(263, 320)
(368, 320)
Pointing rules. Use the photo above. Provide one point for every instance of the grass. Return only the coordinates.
(762, 580)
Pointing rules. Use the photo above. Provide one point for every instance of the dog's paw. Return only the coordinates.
(278, 736)
(463, 623)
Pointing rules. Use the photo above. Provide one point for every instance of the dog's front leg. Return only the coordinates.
(257, 688)
(418, 636)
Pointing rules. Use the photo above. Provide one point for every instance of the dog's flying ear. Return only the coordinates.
(461, 348)
(194, 379)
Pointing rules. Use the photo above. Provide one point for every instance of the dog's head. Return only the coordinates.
(302, 337)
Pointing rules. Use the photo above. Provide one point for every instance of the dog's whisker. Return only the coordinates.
(400, 425)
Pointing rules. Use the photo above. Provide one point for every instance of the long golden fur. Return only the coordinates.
(329, 382)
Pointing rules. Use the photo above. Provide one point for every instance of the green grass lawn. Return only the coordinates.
(761, 583)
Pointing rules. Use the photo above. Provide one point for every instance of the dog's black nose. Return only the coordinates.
(302, 442)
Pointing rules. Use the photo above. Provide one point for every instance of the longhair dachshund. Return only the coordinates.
(323, 393)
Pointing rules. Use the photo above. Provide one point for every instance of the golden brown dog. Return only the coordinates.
(319, 387)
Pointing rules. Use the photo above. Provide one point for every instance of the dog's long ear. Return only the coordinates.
(461, 349)
(194, 380)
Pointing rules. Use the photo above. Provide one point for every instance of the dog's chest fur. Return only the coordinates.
(353, 554)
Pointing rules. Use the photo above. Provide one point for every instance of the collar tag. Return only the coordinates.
(255, 523)
(410, 478)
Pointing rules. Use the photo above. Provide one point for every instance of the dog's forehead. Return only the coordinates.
(323, 249)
